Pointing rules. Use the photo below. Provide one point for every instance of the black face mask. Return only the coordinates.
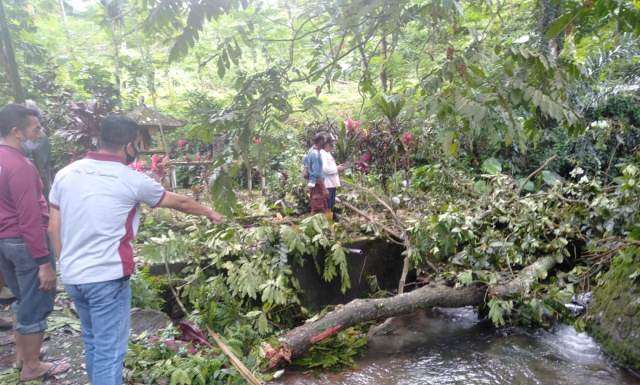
(131, 158)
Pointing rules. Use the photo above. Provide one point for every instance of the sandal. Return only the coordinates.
(57, 368)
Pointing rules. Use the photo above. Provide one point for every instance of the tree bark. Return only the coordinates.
(299, 340)
(9, 53)
(249, 177)
(549, 10)
(67, 34)
(383, 70)
(403, 275)
(116, 60)
(113, 12)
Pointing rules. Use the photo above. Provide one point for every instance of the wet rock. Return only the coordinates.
(579, 303)
(583, 299)
(575, 309)
(614, 317)
(422, 328)
(149, 321)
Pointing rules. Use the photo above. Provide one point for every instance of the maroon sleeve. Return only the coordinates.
(25, 189)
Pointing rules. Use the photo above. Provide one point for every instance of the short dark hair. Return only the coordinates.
(319, 139)
(116, 131)
(14, 115)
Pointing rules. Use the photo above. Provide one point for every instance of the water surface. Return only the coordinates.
(452, 348)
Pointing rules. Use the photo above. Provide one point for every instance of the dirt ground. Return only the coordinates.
(63, 341)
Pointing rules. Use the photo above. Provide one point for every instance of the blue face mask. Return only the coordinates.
(30, 145)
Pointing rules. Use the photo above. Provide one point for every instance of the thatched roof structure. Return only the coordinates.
(147, 117)
(149, 121)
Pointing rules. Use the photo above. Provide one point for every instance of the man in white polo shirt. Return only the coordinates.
(94, 217)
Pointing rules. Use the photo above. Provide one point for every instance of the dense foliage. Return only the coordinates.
(480, 135)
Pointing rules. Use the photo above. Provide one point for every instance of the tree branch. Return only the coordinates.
(542, 167)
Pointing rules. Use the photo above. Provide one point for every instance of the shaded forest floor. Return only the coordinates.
(63, 341)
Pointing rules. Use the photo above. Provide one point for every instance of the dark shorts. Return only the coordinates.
(32, 305)
(331, 201)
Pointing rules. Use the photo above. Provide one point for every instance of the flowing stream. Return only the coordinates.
(450, 346)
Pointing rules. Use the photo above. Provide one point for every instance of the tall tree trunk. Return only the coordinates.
(116, 58)
(548, 11)
(383, 70)
(9, 53)
(249, 177)
(394, 43)
(63, 17)
(114, 15)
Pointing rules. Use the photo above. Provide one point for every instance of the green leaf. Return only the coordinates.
(465, 278)
(221, 190)
(253, 314)
(498, 309)
(376, 60)
(551, 178)
(558, 25)
(310, 103)
(263, 324)
(482, 187)
(337, 261)
(491, 166)
(389, 105)
(221, 67)
(528, 187)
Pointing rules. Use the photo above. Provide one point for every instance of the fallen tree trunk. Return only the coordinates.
(299, 340)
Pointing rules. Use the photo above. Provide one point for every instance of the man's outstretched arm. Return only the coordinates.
(188, 205)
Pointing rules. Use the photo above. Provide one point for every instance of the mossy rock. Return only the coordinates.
(614, 318)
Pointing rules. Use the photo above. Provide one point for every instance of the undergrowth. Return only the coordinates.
(482, 228)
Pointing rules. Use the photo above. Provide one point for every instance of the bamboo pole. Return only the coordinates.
(242, 369)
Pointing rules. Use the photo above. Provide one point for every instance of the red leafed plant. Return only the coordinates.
(192, 333)
(407, 138)
(182, 143)
(352, 125)
(84, 124)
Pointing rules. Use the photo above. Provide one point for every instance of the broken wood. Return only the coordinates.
(299, 340)
(535, 172)
(400, 234)
(387, 229)
(525, 278)
(240, 367)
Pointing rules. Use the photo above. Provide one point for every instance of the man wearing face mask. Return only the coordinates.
(26, 262)
(93, 221)
(39, 152)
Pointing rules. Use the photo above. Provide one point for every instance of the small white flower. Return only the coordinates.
(576, 171)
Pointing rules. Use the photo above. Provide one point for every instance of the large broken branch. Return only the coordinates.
(299, 340)
(384, 227)
(525, 278)
(402, 236)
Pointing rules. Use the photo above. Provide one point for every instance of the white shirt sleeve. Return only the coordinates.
(149, 191)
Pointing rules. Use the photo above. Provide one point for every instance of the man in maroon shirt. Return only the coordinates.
(25, 260)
